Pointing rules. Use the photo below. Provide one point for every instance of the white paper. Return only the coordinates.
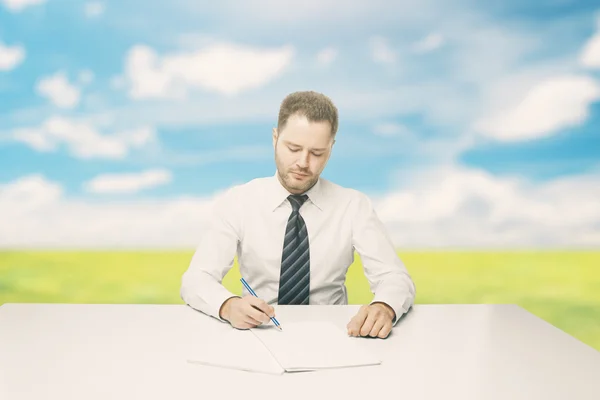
(305, 346)
(235, 349)
(301, 346)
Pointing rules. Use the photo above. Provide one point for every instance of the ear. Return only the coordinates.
(275, 134)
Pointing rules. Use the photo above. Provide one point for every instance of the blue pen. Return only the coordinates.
(254, 294)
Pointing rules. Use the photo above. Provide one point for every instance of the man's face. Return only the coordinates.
(302, 150)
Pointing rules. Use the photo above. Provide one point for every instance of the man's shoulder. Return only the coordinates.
(354, 203)
(250, 187)
(338, 191)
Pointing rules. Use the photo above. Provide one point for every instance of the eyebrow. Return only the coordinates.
(296, 145)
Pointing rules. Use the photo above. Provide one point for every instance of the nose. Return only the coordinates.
(303, 161)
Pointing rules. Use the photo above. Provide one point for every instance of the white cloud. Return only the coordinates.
(358, 103)
(35, 213)
(82, 139)
(128, 182)
(86, 77)
(10, 56)
(392, 129)
(457, 207)
(446, 207)
(590, 54)
(231, 154)
(381, 52)
(94, 9)
(483, 53)
(59, 90)
(553, 104)
(320, 18)
(29, 193)
(326, 56)
(19, 5)
(219, 68)
(117, 82)
(429, 43)
(195, 40)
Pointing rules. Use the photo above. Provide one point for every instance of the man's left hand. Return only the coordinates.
(375, 320)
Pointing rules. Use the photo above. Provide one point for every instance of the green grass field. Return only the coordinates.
(563, 288)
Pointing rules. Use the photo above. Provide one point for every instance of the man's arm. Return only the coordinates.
(201, 284)
(388, 277)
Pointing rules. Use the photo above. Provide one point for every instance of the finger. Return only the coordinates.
(385, 331)
(241, 318)
(243, 325)
(262, 306)
(369, 322)
(264, 318)
(251, 322)
(379, 323)
(357, 321)
(256, 314)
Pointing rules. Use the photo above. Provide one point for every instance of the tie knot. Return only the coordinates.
(297, 200)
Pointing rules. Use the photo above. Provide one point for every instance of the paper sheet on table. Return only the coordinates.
(305, 346)
(235, 349)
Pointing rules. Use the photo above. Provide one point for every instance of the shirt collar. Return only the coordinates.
(280, 194)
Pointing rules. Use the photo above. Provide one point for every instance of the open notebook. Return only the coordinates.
(301, 346)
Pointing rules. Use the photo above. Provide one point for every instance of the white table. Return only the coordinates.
(484, 352)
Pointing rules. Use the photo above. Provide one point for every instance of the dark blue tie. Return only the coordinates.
(294, 279)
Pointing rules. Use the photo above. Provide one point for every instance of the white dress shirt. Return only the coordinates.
(249, 220)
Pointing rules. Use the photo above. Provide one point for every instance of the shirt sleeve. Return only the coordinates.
(388, 277)
(201, 284)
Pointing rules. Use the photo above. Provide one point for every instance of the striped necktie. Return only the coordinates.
(294, 279)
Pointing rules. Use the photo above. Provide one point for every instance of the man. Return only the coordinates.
(295, 235)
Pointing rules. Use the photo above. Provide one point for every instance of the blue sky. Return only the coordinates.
(470, 125)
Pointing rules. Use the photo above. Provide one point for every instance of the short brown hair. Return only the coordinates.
(316, 107)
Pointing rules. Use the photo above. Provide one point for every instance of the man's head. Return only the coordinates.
(303, 139)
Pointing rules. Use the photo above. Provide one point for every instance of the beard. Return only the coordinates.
(293, 184)
(296, 185)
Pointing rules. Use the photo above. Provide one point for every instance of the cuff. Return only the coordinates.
(399, 307)
(215, 301)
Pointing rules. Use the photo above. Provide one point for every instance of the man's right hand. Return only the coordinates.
(246, 312)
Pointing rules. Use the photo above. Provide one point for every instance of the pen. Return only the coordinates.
(254, 294)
